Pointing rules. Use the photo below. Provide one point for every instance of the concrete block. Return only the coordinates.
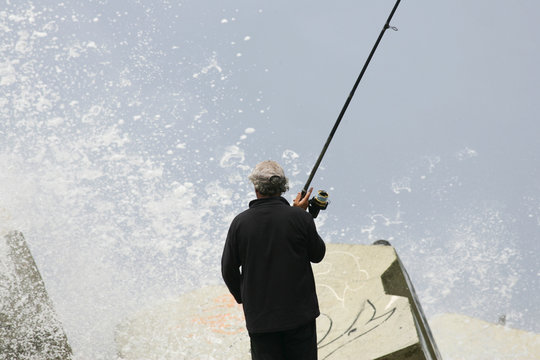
(204, 324)
(369, 309)
(29, 328)
(464, 338)
(368, 306)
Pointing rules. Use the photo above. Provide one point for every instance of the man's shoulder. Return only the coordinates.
(241, 215)
(276, 205)
(298, 211)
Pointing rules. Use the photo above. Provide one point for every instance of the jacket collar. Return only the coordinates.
(274, 200)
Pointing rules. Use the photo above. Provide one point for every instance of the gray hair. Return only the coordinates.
(269, 178)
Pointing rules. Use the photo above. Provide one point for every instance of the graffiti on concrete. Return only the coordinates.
(332, 341)
(349, 310)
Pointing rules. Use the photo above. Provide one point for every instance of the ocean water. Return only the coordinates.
(126, 138)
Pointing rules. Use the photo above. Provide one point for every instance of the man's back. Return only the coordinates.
(273, 243)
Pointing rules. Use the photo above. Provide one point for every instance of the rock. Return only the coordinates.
(29, 328)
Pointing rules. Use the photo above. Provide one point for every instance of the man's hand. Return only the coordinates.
(302, 202)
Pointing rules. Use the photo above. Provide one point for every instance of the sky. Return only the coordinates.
(127, 132)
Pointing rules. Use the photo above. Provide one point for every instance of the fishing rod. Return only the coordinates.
(320, 201)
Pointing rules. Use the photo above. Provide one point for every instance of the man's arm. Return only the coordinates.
(316, 245)
(230, 267)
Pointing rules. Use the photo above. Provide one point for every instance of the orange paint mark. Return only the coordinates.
(226, 300)
(225, 317)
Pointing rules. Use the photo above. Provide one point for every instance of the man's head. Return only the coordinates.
(269, 179)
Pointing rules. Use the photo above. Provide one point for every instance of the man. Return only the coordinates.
(266, 265)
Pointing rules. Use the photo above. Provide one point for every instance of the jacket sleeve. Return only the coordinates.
(230, 265)
(316, 245)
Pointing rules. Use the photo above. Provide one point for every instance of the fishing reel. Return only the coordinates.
(317, 203)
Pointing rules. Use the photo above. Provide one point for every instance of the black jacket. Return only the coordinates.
(266, 264)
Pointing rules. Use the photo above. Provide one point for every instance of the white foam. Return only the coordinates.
(7, 73)
(466, 153)
(57, 121)
(212, 65)
(233, 155)
(401, 184)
